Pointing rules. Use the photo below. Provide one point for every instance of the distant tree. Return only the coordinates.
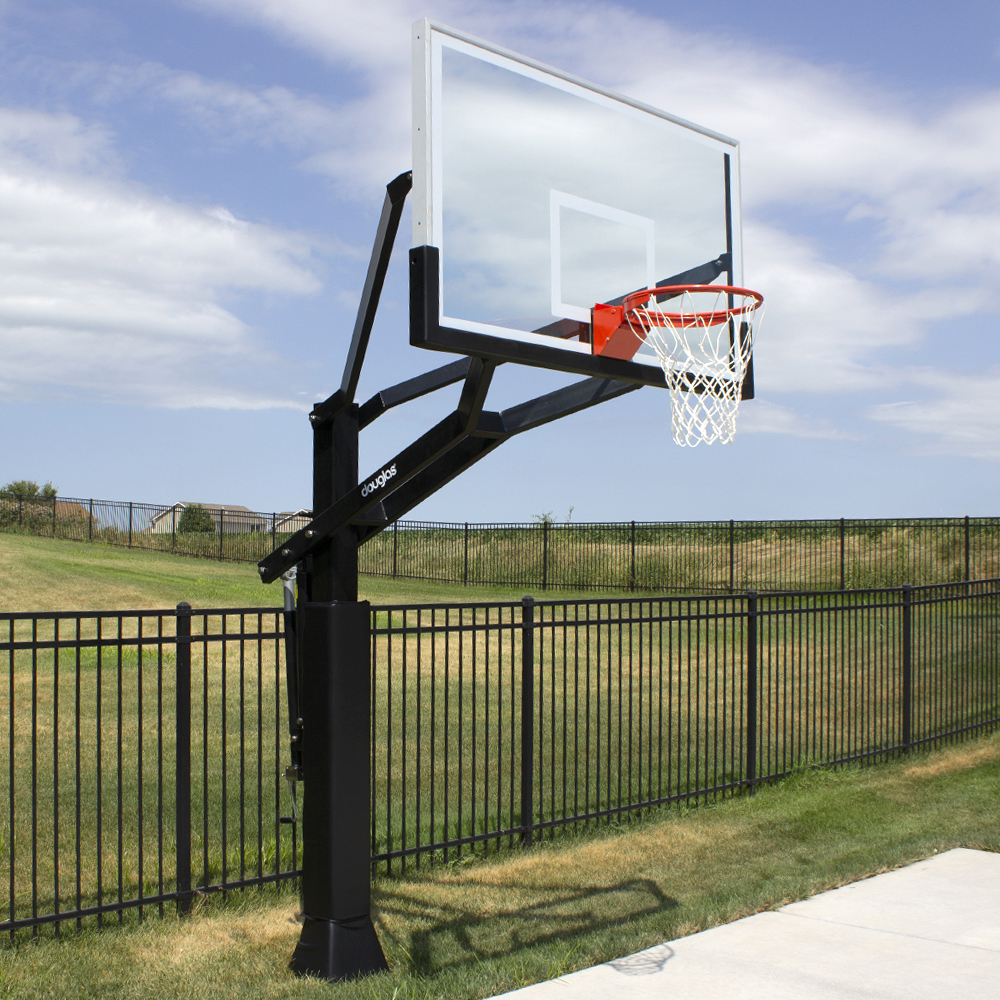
(28, 489)
(547, 517)
(195, 518)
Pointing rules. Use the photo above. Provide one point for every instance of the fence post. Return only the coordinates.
(53, 517)
(732, 557)
(545, 555)
(182, 806)
(631, 575)
(967, 562)
(527, 719)
(90, 521)
(274, 530)
(222, 514)
(465, 566)
(130, 524)
(395, 534)
(907, 707)
(751, 695)
(173, 527)
(843, 576)
(20, 508)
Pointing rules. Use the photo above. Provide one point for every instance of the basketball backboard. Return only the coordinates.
(537, 195)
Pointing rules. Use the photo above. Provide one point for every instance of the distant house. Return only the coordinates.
(291, 521)
(230, 519)
(70, 511)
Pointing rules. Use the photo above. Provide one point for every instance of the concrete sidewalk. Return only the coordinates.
(929, 930)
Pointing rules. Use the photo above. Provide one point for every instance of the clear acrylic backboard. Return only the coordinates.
(537, 195)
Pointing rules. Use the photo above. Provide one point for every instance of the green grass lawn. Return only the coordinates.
(46, 574)
(483, 927)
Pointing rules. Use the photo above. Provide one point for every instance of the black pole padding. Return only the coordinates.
(338, 938)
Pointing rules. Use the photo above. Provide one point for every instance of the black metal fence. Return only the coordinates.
(663, 557)
(230, 535)
(691, 556)
(144, 756)
(500, 723)
(146, 749)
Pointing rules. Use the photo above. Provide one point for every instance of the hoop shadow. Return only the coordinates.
(453, 935)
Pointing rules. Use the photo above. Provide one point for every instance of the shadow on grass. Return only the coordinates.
(435, 936)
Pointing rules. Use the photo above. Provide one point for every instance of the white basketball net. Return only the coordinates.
(703, 344)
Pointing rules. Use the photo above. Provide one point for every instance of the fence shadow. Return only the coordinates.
(460, 932)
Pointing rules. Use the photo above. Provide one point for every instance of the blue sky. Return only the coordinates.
(189, 189)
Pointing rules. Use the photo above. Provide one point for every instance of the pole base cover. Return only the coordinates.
(338, 949)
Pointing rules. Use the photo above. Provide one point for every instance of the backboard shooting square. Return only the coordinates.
(537, 195)
(596, 250)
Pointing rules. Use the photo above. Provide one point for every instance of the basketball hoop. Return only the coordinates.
(704, 352)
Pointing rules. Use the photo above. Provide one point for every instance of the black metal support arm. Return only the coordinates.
(412, 388)
(411, 460)
(392, 210)
(492, 431)
(437, 457)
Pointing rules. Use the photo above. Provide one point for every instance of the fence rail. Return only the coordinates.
(700, 557)
(146, 749)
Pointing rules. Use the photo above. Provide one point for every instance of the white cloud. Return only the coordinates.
(822, 324)
(960, 418)
(764, 417)
(109, 292)
(33, 140)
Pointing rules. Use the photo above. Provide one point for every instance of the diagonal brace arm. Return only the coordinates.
(412, 388)
(493, 430)
(410, 461)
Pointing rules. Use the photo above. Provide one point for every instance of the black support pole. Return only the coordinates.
(338, 939)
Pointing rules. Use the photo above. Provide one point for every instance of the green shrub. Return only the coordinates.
(24, 489)
(195, 518)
